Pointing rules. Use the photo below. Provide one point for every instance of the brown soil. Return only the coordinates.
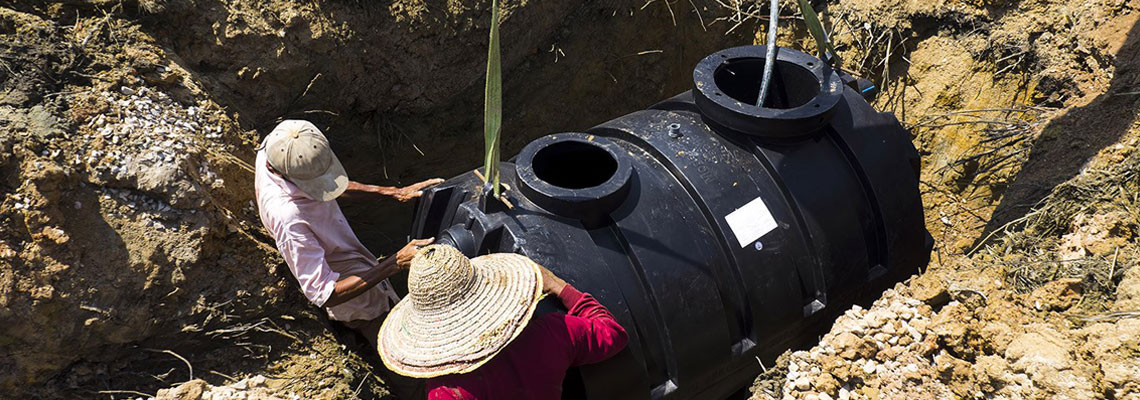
(1027, 118)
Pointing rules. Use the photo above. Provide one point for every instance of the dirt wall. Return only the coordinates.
(1025, 114)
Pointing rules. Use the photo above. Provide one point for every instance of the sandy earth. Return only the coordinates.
(1026, 115)
(132, 263)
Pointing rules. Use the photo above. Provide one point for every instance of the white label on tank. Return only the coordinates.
(751, 221)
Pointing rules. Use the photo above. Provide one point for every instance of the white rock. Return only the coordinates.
(906, 314)
(869, 367)
(914, 334)
(844, 393)
(889, 315)
(803, 383)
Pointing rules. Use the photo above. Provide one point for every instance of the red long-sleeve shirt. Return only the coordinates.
(533, 365)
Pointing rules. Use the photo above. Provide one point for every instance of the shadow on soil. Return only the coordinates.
(1069, 141)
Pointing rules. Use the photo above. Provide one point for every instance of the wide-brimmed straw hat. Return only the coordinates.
(459, 312)
(301, 153)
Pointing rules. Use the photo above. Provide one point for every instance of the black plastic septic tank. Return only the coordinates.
(716, 231)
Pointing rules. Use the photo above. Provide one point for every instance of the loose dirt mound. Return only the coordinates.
(1026, 113)
(120, 242)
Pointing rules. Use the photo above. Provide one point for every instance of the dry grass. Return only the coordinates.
(1026, 249)
(1004, 138)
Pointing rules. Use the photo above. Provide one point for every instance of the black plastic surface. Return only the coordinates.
(634, 212)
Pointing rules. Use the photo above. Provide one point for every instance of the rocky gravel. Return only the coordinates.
(252, 388)
(145, 138)
(869, 353)
(983, 344)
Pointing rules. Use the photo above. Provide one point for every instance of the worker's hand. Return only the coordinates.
(404, 256)
(413, 191)
(550, 282)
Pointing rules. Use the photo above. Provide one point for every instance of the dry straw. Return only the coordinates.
(459, 312)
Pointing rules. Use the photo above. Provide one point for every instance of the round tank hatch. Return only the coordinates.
(574, 175)
(803, 92)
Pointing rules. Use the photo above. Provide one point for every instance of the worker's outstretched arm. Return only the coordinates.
(402, 194)
(593, 332)
(351, 286)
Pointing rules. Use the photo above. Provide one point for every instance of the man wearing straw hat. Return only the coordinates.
(468, 326)
(297, 180)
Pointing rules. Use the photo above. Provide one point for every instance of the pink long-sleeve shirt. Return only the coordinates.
(534, 364)
(318, 245)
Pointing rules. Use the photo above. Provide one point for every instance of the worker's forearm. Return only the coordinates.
(348, 287)
(354, 186)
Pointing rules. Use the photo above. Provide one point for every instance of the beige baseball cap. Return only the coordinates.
(301, 153)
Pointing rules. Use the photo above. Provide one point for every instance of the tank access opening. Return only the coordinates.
(791, 86)
(575, 175)
(803, 95)
(574, 165)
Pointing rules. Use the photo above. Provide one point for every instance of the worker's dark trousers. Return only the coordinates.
(403, 387)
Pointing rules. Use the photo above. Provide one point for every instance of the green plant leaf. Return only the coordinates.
(493, 104)
(816, 29)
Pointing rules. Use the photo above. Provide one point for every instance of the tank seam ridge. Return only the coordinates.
(744, 327)
(671, 368)
(868, 192)
(786, 195)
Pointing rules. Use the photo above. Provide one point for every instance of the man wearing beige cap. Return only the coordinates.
(297, 180)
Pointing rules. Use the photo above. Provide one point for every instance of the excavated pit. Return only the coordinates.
(119, 278)
(398, 88)
(133, 258)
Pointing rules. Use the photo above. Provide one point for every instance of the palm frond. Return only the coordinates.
(493, 104)
(816, 29)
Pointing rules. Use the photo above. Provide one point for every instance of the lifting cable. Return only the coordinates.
(770, 56)
(811, 19)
